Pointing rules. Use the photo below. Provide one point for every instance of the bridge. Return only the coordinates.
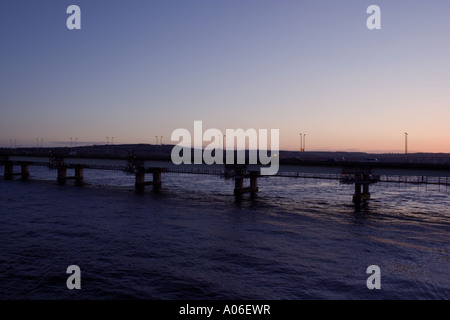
(357, 173)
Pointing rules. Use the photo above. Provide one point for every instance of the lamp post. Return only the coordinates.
(406, 142)
(112, 145)
(301, 143)
(304, 141)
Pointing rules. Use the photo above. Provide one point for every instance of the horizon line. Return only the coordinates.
(98, 144)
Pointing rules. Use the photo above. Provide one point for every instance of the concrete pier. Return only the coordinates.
(9, 171)
(62, 175)
(25, 171)
(366, 192)
(362, 177)
(254, 181)
(79, 175)
(238, 185)
(361, 196)
(239, 188)
(140, 178)
(157, 181)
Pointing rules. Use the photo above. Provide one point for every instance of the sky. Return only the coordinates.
(140, 69)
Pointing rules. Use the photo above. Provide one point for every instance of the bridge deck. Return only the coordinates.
(121, 163)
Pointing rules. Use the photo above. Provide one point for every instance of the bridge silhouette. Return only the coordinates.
(359, 172)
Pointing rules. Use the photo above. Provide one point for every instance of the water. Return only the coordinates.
(299, 239)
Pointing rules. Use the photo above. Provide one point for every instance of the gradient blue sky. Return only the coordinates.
(138, 69)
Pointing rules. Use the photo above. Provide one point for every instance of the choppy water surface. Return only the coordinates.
(299, 239)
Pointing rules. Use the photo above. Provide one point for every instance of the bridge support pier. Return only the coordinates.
(366, 192)
(239, 184)
(9, 171)
(254, 181)
(357, 194)
(79, 175)
(157, 181)
(62, 175)
(140, 179)
(361, 196)
(25, 171)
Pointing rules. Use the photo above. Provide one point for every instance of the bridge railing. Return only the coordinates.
(416, 179)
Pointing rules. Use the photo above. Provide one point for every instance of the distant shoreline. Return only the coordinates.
(324, 158)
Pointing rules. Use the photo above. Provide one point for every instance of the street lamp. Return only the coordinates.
(301, 148)
(406, 142)
(13, 143)
(161, 140)
(112, 145)
(304, 142)
(156, 140)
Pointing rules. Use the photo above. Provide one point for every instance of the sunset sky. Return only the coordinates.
(137, 69)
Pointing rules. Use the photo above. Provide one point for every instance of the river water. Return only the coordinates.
(298, 239)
